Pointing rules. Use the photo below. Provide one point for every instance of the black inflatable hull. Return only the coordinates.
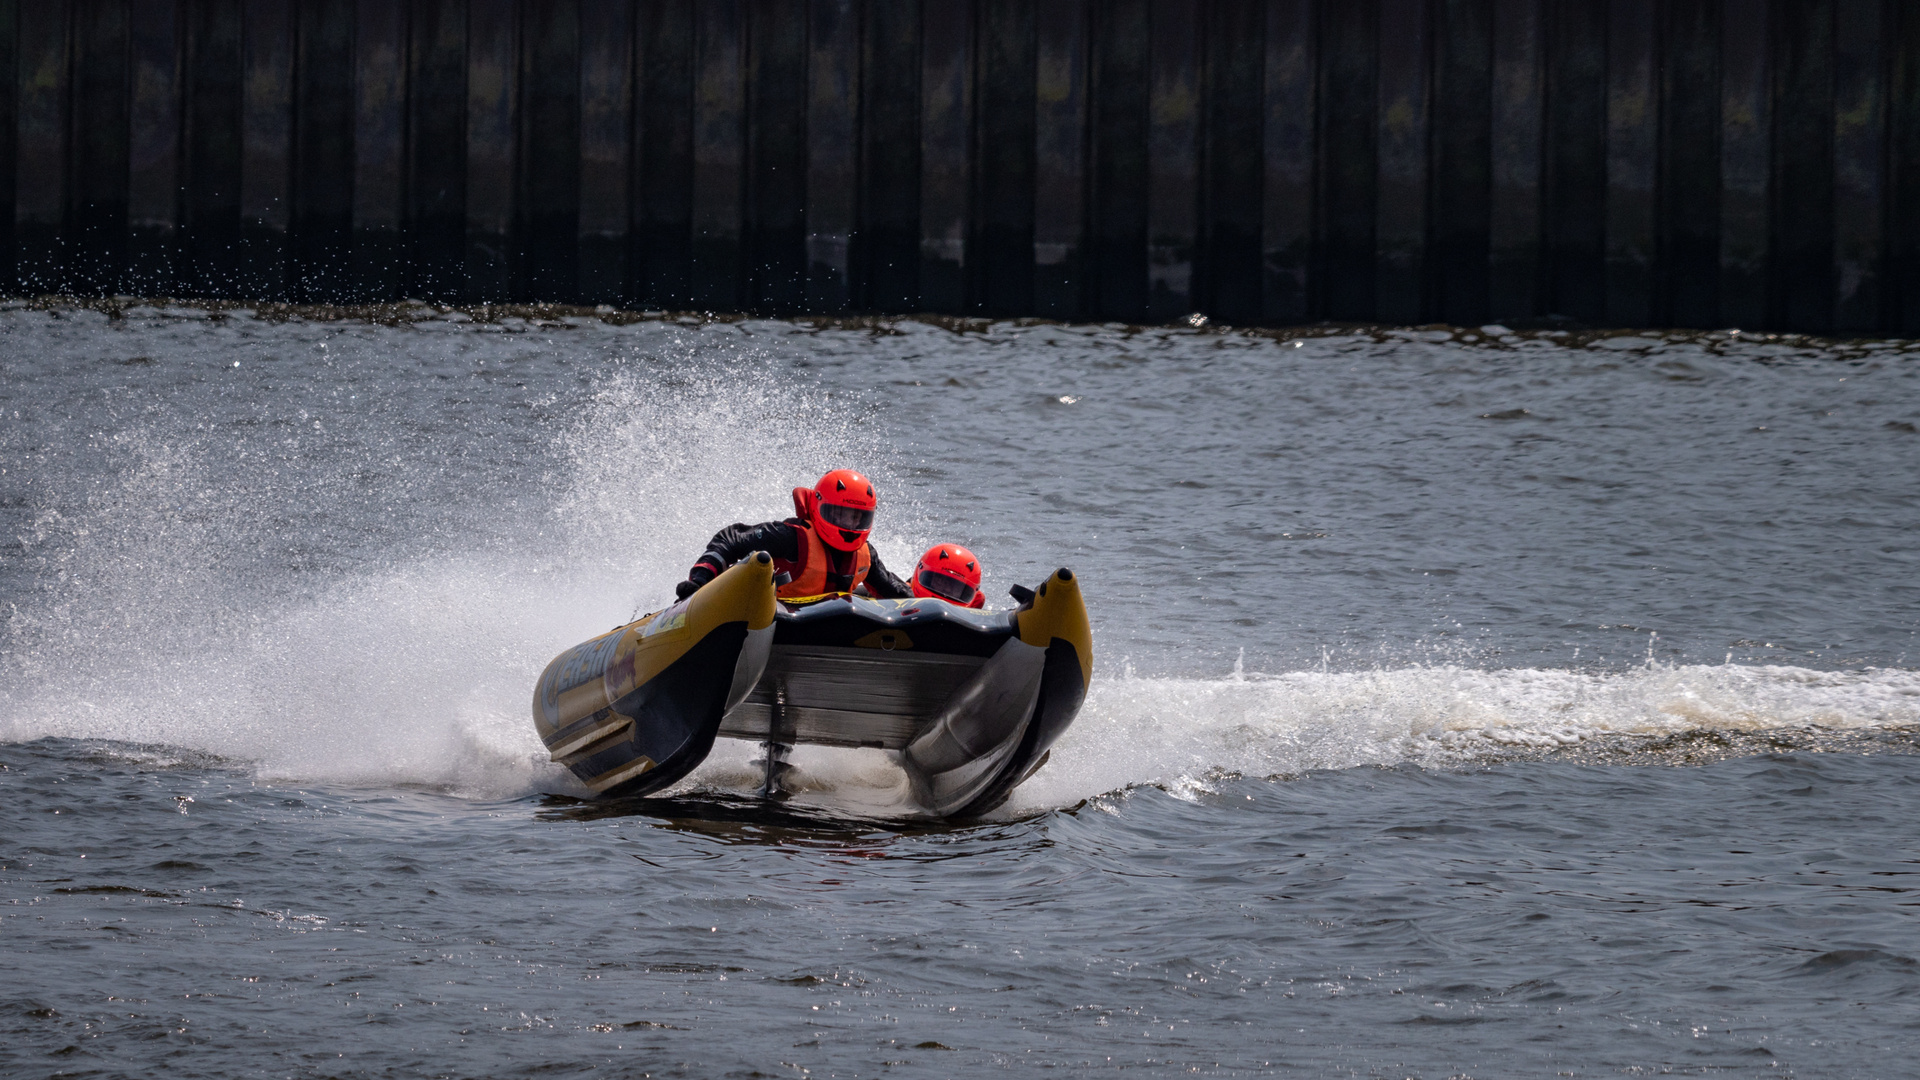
(969, 702)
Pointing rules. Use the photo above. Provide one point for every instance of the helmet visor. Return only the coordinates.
(846, 517)
(946, 588)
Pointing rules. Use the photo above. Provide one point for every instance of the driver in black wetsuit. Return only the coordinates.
(822, 549)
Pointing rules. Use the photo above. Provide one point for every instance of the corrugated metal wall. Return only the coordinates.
(1668, 162)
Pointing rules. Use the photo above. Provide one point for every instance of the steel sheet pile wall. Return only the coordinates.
(1682, 162)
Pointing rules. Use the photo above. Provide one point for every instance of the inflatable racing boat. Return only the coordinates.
(969, 701)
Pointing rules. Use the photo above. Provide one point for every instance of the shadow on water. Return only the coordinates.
(746, 819)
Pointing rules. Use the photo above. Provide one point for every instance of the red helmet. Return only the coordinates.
(840, 508)
(949, 572)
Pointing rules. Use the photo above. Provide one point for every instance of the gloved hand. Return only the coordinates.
(696, 577)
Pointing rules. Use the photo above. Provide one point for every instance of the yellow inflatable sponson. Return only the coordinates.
(679, 669)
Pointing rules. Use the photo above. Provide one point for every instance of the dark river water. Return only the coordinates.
(1467, 703)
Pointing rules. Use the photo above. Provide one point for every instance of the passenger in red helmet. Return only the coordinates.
(822, 549)
(949, 572)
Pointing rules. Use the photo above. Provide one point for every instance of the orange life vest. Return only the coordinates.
(813, 574)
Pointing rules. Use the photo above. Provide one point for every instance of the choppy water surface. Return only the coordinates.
(1468, 702)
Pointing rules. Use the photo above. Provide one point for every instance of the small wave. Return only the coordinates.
(1847, 960)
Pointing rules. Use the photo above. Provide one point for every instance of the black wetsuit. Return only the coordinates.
(780, 539)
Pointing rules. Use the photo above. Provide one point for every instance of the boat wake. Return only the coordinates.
(328, 701)
(1186, 734)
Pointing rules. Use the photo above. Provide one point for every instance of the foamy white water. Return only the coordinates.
(1178, 732)
(421, 679)
(411, 672)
